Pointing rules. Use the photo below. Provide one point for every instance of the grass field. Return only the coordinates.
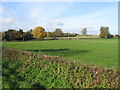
(101, 52)
(76, 37)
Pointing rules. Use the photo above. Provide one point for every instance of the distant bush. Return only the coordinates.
(110, 36)
(118, 36)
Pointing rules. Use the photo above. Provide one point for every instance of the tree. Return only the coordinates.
(39, 32)
(104, 32)
(48, 34)
(21, 34)
(27, 35)
(4, 36)
(57, 33)
(17, 35)
(9, 35)
(30, 30)
(12, 34)
(84, 31)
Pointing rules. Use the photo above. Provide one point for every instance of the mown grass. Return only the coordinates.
(23, 69)
(101, 52)
(80, 37)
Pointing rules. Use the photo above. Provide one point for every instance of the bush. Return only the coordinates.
(110, 36)
(118, 36)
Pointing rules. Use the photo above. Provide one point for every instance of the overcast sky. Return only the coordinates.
(69, 16)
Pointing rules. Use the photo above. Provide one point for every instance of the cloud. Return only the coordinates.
(44, 11)
(60, 24)
(6, 24)
(28, 15)
(6, 21)
(104, 17)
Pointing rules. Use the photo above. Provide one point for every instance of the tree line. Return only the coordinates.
(39, 32)
(12, 34)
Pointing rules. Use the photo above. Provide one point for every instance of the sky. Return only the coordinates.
(69, 16)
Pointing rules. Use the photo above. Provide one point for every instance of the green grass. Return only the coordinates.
(101, 52)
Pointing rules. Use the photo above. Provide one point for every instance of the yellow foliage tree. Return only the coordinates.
(39, 32)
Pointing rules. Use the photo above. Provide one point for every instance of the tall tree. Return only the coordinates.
(104, 32)
(39, 32)
(58, 32)
(10, 34)
(21, 34)
(27, 35)
(84, 31)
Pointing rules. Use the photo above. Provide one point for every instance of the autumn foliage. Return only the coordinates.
(39, 32)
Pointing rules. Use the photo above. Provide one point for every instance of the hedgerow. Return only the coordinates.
(24, 69)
